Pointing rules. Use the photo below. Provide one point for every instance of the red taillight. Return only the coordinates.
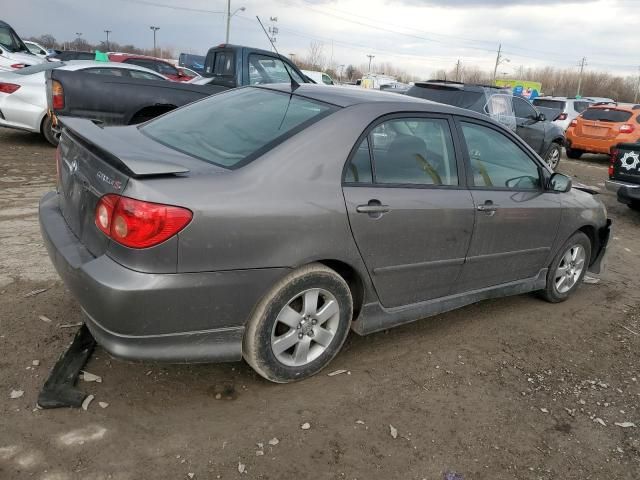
(8, 87)
(574, 122)
(57, 95)
(19, 65)
(612, 161)
(137, 224)
(626, 128)
(562, 116)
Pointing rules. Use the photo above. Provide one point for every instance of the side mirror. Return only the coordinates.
(559, 183)
(541, 117)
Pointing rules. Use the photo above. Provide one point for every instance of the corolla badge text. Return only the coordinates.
(116, 184)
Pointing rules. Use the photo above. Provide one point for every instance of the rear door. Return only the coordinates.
(410, 213)
(516, 220)
(529, 128)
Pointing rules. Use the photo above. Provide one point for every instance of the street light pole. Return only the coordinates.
(107, 32)
(78, 35)
(229, 15)
(155, 29)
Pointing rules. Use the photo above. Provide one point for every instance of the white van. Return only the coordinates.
(320, 78)
(14, 54)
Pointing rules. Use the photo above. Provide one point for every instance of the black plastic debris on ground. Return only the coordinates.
(59, 389)
(453, 476)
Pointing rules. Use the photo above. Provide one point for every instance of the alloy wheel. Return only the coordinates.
(305, 327)
(570, 268)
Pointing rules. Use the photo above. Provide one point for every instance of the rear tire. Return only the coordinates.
(300, 325)
(574, 153)
(47, 132)
(552, 158)
(568, 268)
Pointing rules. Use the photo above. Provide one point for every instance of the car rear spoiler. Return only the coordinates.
(95, 137)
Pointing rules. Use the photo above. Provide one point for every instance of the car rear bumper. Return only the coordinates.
(592, 145)
(629, 194)
(615, 185)
(184, 317)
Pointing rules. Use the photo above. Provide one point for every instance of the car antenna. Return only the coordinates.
(294, 84)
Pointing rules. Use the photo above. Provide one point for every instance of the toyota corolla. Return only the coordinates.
(269, 222)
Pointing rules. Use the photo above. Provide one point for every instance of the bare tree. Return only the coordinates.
(315, 57)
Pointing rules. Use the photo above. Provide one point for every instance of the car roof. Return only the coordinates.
(628, 107)
(469, 87)
(135, 55)
(80, 64)
(560, 99)
(349, 96)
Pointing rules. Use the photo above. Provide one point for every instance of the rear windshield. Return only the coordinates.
(448, 96)
(606, 115)
(40, 67)
(555, 104)
(232, 128)
(11, 41)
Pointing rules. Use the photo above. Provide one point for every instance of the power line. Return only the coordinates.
(172, 7)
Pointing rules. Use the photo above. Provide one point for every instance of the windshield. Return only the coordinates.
(11, 41)
(41, 67)
(606, 115)
(555, 104)
(255, 121)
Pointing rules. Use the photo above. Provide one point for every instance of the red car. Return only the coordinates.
(161, 66)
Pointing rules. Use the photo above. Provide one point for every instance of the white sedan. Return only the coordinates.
(23, 93)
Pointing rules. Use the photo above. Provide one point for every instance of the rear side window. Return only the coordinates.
(165, 68)
(497, 162)
(359, 167)
(114, 72)
(580, 106)
(555, 104)
(606, 115)
(224, 64)
(255, 121)
(144, 75)
(415, 151)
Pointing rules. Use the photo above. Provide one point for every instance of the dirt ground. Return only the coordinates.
(514, 388)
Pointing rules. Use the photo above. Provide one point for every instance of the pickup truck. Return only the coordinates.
(112, 100)
(624, 174)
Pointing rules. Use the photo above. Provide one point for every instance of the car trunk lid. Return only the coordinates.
(92, 162)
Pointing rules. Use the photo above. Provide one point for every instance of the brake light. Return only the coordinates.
(612, 161)
(626, 128)
(574, 122)
(562, 116)
(138, 224)
(19, 65)
(57, 95)
(8, 87)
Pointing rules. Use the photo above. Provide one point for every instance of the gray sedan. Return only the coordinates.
(266, 223)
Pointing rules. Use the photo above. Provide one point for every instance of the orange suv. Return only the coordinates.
(601, 127)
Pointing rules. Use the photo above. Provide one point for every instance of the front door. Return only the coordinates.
(411, 216)
(528, 127)
(516, 219)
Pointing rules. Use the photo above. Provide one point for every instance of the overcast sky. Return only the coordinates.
(421, 36)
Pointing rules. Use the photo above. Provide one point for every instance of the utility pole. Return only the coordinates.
(635, 97)
(155, 29)
(292, 56)
(371, 57)
(78, 35)
(499, 59)
(458, 70)
(107, 32)
(582, 64)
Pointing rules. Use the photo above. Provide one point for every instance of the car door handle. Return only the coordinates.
(372, 208)
(487, 208)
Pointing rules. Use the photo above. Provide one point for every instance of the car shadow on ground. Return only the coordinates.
(19, 138)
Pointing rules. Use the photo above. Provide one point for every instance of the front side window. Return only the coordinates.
(415, 151)
(497, 161)
(255, 120)
(165, 68)
(326, 79)
(523, 109)
(265, 70)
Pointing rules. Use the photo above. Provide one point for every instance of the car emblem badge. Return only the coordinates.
(630, 160)
(72, 166)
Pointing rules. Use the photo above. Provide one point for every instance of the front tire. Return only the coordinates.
(552, 158)
(48, 133)
(574, 153)
(568, 268)
(300, 325)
